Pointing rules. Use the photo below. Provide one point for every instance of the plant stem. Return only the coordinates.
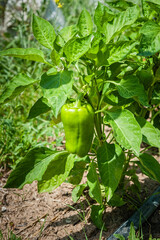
(98, 117)
(125, 167)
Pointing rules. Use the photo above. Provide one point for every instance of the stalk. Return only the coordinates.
(125, 167)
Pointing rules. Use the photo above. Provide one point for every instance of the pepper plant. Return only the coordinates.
(111, 64)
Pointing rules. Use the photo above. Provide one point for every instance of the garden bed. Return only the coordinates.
(49, 216)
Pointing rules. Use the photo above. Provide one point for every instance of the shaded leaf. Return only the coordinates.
(151, 165)
(56, 89)
(15, 87)
(150, 41)
(130, 87)
(56, 172)
(30, 168)
(77, 192)
(77, 171)
(38, 108)
(96, 216)
(110, 164)
(93, 183)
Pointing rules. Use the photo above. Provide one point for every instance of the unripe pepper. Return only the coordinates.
(78, 122)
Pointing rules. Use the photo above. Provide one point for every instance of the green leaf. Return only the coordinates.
(130, 87)
(150, 41)
(96, 215)
(55, 57)
(43, 32)
(66, 34)
(30, 168)
(93, 183)
(56, 172)
(85, 24)
(132, 233)
(119, 51)
(153, 1)
(77, 192)
(114, 99)
(56, 89)
(151, 165)
(77, 47)
(120, 22)
(144, 170)
(15, 87)
(38, 108)
(52, 71)
(102, 15)
(126, 129)
(110, 164)
(77, 171)
(118, 236)
(31, 54)
(116, 201)
(150, 134)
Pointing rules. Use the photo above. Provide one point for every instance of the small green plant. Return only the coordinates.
(110, 62)
(133, 235)
(11, 236)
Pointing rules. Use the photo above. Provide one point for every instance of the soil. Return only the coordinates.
(54, 216)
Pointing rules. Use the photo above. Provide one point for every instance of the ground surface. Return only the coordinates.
(47, 216)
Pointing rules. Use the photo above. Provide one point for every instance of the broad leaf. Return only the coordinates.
(96, 216)
(130, 87)
(31, 54)
(114, 99)
(56, 89)
(93, 183)
(76, 48)
(154, 1)
(150, 134)
(126, 129)
(55, 57)
(66, 34)
(56, 172)
(77, 171)
(52, 71)
(151, 165)
(85, 24)
(120, 22)
(38, 108)
(102, 15)
(15, 87)
(119, 51)
(77, 192)
(31, 167)
(116, 201)
(150, 41)
(43, 32)
(110, 164)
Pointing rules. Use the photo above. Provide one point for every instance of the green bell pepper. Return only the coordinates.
(78, 122)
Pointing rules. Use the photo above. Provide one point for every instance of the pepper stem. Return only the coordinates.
(78, 103)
